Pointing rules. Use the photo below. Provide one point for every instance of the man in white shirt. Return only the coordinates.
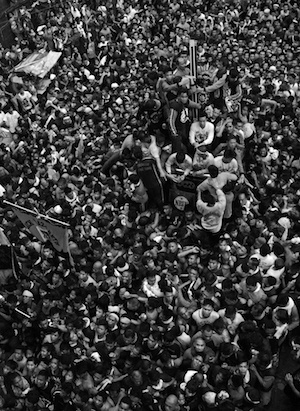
(150, 285)
(201, 132)
(178, 166)
(206, 314)
(216, 181)
(266, 257)
(277, 271)
(11, 119)
(227, 162)
(212, 211)
(25, 98)
(201, 161)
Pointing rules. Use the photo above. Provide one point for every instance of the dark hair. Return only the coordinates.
(237, 380)
(230, 310)
(282, 316)
(228, 153)
(11, 364)
(44, 373)
(251, 281)
(126, 400)
(264, 359)
(33, 396)
(156, 335)
(182, 90)
(219, 323)
(207, 327)
(264, 250)
(208, 198)
(213, 171)
(180, 156)
(208, 302)
(134, 178)
(282, 300)
(81, 367)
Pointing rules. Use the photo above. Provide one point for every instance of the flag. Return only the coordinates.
(80, 147)
(43, 227)
(29, 219)
(9, 267)
(57, 234)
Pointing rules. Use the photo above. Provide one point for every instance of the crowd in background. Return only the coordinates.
(172, 299)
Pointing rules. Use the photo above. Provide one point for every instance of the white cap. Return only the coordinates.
(57, 209)
(27, 293)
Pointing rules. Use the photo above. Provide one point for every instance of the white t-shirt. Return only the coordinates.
(25, 99)
(201, 136)
(2, 191)
(231, 167)
(277, 274)
(200, 320)
(265, 262)
(11, 120)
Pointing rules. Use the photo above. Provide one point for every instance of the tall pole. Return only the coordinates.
(193, 69)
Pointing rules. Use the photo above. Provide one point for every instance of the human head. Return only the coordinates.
(213, 171)
(180, 156)
(228, 156)
(171, 403)
(202, 119)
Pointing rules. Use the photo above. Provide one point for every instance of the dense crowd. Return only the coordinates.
(181, 190)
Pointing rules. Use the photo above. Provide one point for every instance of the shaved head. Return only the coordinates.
(171, 403)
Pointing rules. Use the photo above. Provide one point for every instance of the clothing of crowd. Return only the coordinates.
(167, 301)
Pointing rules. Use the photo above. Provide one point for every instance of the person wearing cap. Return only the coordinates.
(27, 304)
(112, 320)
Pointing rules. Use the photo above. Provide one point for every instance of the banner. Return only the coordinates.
(38, 63)
(43, 227)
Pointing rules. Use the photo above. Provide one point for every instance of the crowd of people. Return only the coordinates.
(177, 171)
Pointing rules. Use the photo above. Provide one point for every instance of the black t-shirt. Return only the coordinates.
(182, 122)
(289, 392)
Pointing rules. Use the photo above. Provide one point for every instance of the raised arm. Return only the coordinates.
(217, 84)
(172, 121)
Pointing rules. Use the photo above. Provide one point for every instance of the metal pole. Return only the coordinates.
(193, 70)
(26, 210)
